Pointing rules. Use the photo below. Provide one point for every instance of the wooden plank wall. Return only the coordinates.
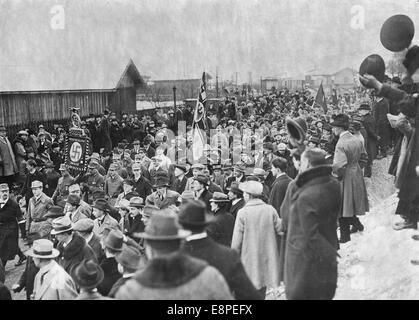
(25, 108)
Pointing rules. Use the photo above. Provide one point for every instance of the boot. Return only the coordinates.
(357, 226)
(405, 225)
(345, 234)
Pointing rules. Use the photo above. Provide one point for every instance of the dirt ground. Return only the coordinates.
(13, 274)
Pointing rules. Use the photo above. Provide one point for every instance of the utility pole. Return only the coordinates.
(261, 86)
(216, 80)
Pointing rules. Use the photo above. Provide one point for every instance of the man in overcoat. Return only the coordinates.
(311, 242)
(346, 167)
(8, 165)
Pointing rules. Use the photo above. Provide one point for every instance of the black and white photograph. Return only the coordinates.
(214, 150)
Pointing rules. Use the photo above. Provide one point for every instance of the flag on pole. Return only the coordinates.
(321, 98)
(199, 121)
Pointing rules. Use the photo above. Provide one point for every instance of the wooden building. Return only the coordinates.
(42, 95)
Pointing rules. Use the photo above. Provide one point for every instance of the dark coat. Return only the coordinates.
(143, 187)
(236, 207)
(96, 246)
(74, 253)
(104, 133)
(371, 141)
(279, 188)
(380, 111)
(4, 292)
(9, 234)
(51, 182)
(228, 262)
(110, 270)
(221, 228)
(311, 242)
(27, 278)
(91, 296)
(206, 196)
(179, 185)
(131, 225)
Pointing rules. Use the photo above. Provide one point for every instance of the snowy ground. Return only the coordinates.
(376, 264)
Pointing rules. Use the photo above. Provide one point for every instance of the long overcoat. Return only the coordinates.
(9, 234)
(346, 166)
(311, 242)
(255, 238)
(8, 165)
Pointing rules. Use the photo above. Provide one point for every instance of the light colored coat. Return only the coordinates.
(255, 238)
(36, 211)
(346, 166)
(7, 157)
(56, 284)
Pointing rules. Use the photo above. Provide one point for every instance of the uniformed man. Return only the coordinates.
(95, 181)
(37, 208)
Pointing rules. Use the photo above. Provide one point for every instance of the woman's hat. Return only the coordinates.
(61, 224)
(163, 226)
(44, 249)
(88, 274)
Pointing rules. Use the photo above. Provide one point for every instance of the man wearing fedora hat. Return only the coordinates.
(221, 228)
(87, 276)
(179, 183)
(310, 251)
(132, 221)
(127, 194)
(52, 282)
(280, 185)
(102, 218)
(129, 262)
(348, 153)
(37, 207)
(236, 197)
(73, 210)
(255, 238)
(112, 243)
(8, 165)
(170, 274)
(193, 217)
(84, 227)
(73, 247)
(163, 197)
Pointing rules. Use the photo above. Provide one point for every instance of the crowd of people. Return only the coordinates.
(151, 220)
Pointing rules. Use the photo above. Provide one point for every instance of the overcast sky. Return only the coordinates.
(180, 39)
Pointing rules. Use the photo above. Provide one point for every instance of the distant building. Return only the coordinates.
(40, 95)
(343, 80)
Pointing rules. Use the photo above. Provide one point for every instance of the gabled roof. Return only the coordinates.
(87, 76)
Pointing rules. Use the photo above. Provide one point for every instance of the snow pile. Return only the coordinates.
(376, 264)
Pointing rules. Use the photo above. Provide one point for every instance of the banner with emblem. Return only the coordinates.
(76, 149)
